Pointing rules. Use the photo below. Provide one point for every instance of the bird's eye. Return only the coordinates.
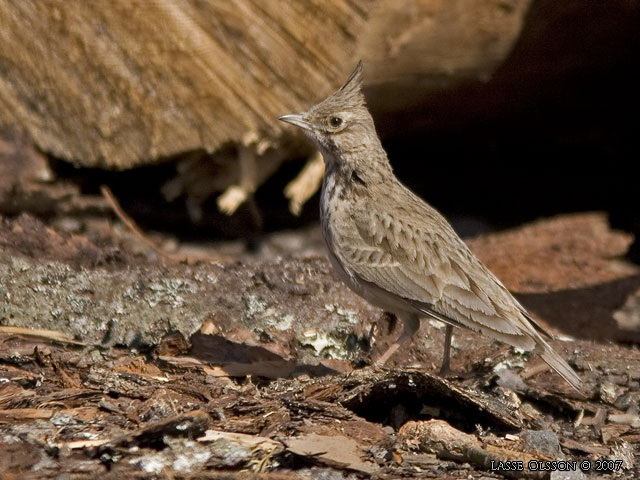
(335, 122)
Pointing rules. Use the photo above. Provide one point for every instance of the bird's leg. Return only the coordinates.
(411, 324)
(445, 369)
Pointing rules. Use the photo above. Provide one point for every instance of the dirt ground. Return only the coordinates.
(215, 362)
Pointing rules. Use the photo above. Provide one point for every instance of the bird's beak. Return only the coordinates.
(295, 119)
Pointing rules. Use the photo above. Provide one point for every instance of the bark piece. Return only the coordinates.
(368, 392)
(567, 252)
(337, 450)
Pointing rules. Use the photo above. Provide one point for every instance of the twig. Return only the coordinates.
(128, 221)
(52, 335)
(534, 370)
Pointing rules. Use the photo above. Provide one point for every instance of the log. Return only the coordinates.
(122, 84)
(119, 84)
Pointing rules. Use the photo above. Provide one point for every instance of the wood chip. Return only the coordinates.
(337, 450)
(306, 184)
(626, 419)
(597, 420)
(583, 447)
(612, 432)
(26, 414)
(251, 441)
(79, 444)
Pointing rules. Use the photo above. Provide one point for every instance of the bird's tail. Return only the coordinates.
(556, 362)
(552, 359)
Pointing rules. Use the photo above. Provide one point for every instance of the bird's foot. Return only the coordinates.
(448, 373)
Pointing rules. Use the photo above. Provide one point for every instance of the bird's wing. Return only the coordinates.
(433, 270)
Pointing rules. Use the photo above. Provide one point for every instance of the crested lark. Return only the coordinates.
(396, 251)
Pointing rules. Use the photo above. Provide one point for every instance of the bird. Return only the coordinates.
(396, 251)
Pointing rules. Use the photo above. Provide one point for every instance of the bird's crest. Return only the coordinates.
(351, 91)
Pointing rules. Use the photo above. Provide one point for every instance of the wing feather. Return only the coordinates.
(427, 271)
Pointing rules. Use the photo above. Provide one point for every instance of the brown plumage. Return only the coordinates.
(395, 250)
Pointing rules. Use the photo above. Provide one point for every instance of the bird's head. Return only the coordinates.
(340, 124)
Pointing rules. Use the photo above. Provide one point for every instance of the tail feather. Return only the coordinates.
(563, 369)
(552, 359)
